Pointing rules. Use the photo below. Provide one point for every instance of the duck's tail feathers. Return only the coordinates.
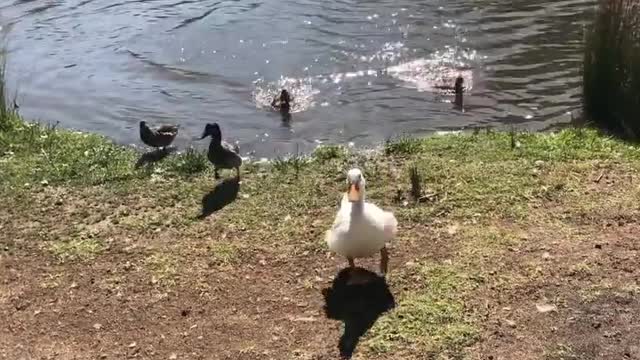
(390, 225)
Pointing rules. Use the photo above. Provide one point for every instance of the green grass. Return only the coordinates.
(189, 163)
(325, 153)
(223, 253)
(163, 268)
(76, 249)
(431, 320)
(611, 70)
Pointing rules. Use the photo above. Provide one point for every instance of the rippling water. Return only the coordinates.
(359, 70)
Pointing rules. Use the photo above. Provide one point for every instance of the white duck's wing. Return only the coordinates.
(383, 221)
(337, 234)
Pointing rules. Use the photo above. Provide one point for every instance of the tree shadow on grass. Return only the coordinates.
(224, 193)
(357, 297)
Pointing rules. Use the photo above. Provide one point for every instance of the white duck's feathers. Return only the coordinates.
(361, 229)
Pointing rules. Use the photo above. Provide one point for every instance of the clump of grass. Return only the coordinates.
(513, 137)
(403, 146)
(611, 78)
(189, 163)
(163, 269)
(76, 249)
(431, 320)
(324, 153)
(294, 162)
(223, 254)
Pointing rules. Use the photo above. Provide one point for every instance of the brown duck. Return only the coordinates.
(282, 102)
(161, 137)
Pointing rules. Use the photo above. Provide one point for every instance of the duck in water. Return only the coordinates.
(459, 90)
(282, 102)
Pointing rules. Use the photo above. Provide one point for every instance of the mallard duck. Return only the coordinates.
(459, 90)
(161, 137)
(282, 102)
(221, 154)
(361, 229)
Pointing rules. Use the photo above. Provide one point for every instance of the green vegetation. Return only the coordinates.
(431, 319)
(611, 80)
(76, 249)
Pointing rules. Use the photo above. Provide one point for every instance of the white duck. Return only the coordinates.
(361, 229)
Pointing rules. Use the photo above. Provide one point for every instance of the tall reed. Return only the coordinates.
(611, 73)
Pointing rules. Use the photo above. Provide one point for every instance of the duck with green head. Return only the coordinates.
(221, 154)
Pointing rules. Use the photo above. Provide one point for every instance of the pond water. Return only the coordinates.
(359, 70)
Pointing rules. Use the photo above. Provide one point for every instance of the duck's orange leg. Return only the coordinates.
(384, 260)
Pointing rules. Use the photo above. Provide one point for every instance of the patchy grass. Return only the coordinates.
(76, 249)
(163, 268)
(190, 162)
(324, 153)
(430, 320)
(403, 146)
(223, 254)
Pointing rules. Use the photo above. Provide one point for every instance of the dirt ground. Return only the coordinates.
(138, 281)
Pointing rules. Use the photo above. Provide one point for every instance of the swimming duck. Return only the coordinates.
(282, 102)
(221, 154)
(361, 229)
(161, 137)
(459, 89)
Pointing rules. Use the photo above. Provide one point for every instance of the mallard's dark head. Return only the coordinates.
(212, 130)
(459, 85)
(285, 97)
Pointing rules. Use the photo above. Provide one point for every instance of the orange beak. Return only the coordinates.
(354, 192)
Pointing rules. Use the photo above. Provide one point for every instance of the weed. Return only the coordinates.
(189, 163)
(324, 153)
(416, 183)
(403, 146)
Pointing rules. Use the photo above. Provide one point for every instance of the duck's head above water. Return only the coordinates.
(459, 85)
(212, 130)
(355, 185)
(285, 97)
